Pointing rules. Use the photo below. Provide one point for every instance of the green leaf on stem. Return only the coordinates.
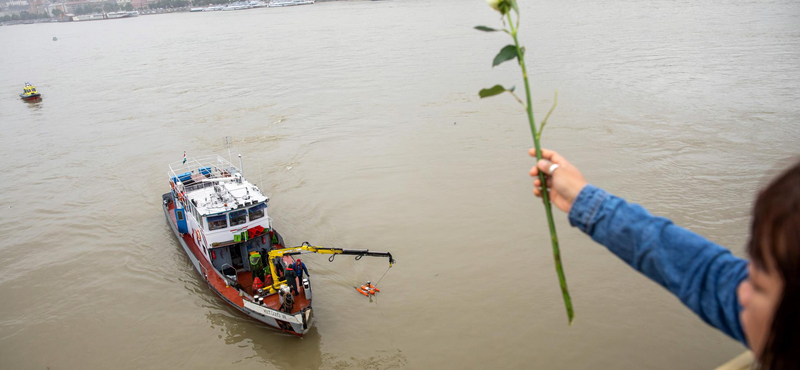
(485, 29)
(494, 90)
(507, 53)
(514, 5)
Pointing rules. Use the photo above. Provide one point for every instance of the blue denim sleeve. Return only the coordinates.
(703, 275)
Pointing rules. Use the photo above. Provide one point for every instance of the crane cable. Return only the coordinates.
(384, 274)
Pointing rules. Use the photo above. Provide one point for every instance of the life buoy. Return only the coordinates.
(198, 237)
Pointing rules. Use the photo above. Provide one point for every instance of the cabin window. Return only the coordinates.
(257, 211)
(238, 217)
(217, 222)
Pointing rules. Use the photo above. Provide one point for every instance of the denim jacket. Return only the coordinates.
(703, 275)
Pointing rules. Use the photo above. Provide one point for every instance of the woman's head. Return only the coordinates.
(770, 297)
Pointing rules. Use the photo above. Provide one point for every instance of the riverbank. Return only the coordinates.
(28, 21)
(143, 12)
(55, 20)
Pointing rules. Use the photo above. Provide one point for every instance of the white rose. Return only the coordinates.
(501, 6)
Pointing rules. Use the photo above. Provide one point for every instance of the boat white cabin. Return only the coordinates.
(219, 203)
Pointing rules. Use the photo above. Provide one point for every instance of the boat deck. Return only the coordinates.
(245, 278)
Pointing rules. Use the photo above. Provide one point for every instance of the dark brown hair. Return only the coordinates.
(775, 236)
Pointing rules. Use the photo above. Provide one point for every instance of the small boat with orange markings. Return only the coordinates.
(221, 221)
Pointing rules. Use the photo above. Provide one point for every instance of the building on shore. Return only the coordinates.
(14, 7)
(139, 4)
(37, 6)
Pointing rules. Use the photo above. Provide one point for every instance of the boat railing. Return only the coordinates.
(228, 281)
(210, 167)
(198, 186)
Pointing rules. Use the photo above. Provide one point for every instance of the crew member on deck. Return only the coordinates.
(256, 267)
(257, 284)
(299, 268)
(290, 276)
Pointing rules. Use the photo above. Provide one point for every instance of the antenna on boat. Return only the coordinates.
(241, 168)
(260, 173)
(228, 145)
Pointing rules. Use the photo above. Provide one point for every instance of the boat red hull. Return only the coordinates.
(219, 285)
(32, 97)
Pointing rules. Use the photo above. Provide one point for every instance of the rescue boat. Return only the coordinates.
(221, 221)
(29, 92)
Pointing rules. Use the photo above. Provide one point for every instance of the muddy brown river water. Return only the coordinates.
(361, 120)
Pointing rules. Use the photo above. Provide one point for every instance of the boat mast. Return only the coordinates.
(260, 173)
(228, 145)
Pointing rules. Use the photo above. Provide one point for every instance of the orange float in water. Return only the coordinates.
(368, 289)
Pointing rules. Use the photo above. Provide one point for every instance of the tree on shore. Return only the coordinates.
(23, 16)
(168, 4)
(84, 9)
(110, 6)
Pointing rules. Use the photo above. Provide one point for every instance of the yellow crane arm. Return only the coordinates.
(306, 248)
